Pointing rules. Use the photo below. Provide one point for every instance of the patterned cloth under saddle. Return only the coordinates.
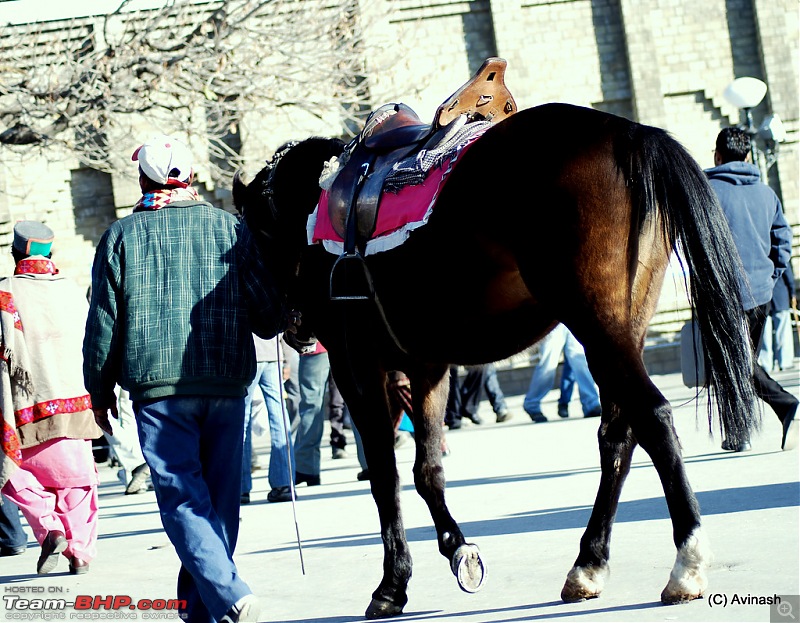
(396, 151)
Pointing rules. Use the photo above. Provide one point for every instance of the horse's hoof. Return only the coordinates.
(381, 609)
(468, 568)
(688, 579)
(584, 583)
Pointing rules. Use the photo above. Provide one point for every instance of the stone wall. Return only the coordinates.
(661, 62)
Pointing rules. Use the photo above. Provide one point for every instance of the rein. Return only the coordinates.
(268, 192)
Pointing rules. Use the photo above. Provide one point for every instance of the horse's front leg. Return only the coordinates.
(429, 392)
(370, 413)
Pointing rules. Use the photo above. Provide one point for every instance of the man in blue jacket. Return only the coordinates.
(178, 289)
(764, 241)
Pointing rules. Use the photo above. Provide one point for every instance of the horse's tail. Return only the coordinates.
(666, 178)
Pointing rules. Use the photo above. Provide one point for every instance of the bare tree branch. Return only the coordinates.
(194, 68)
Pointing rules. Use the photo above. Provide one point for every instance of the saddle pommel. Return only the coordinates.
(485, 96)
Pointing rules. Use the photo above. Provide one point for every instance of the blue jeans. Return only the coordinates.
(193, 445)
(268, 379)
(313, 375)
(777, 342)
(12, 535)
(550, 349)
(566, 386)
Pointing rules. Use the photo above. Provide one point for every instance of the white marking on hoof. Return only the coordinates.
(584, 583)
(688, 579)
(468, 568)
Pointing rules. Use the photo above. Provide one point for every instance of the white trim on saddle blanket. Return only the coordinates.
(399, 214)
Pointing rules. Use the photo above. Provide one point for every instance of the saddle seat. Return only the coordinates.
(394, 132)
(392, 126)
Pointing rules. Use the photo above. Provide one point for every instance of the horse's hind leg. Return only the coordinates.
(643, 416)
(429, 392)
(587, 576)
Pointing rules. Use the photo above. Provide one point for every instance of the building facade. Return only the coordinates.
(659, 62)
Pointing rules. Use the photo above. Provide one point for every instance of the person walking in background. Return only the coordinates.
(337, 413)
(764, 241)
(313, 371)
(268, 379)
(566, 387)
(124, 443)
(178, 289)
(777, 343)
(291, 384)
(560, 340)
(48, 468)
(13, 540)
(464, 398)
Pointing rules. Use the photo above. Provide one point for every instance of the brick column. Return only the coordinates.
(648, 96)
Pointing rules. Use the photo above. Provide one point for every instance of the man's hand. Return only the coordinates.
(101, 418)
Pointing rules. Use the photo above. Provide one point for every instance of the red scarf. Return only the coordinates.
(36, 266)
(157, 199)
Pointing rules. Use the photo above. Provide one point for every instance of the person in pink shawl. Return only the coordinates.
(47, 467)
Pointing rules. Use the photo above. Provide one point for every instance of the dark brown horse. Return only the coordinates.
(557, 214)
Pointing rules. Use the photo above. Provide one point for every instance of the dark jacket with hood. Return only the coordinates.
(760, 231)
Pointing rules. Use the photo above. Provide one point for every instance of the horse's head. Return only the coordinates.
(277, 203)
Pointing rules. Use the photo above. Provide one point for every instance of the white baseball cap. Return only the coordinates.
(165, 160)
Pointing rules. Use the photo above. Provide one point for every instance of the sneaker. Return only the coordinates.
(246, 610)
(280, 494)
(401, 438)
(138, 483)
(339, 453)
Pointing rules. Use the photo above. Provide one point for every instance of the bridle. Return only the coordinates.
(267, 191)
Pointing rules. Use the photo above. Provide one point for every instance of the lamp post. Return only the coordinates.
(746, 93)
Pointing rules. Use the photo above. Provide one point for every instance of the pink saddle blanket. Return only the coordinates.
(399, 213)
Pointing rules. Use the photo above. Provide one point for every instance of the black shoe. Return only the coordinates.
(454, 425)
(563, 410)
(54, 543)
(310, 479)
(596, 412)
(736, 447)
(476, 419)
(280, 494)
(339, 453)
(538, 417)
(12, 551)
(138, 483)
(363, 475)
(245, 499)
(791, 430)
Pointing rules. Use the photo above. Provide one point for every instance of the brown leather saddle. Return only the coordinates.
(391, 133)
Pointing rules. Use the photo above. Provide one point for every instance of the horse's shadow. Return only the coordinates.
(491, 614)
(715, 502)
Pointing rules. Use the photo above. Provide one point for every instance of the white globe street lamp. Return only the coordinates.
(746, 93)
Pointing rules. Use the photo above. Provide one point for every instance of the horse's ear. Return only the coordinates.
(239, 191)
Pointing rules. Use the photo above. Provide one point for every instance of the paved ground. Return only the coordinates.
(521, 491)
